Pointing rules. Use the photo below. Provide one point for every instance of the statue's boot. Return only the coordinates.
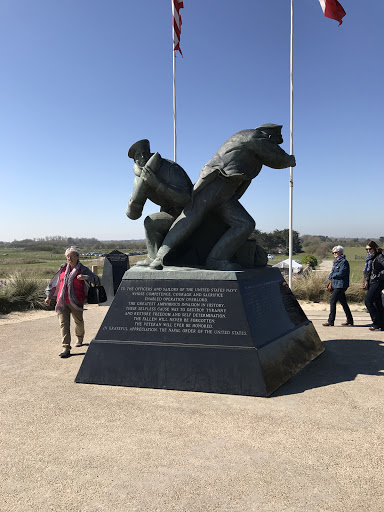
(157, 263)
(215, 264)
(144, 263)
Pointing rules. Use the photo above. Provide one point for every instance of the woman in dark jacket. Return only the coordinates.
(340, 282)
(374, 277)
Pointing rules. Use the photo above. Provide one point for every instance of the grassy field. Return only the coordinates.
(43, 265)
(26, 273)
(356, 257)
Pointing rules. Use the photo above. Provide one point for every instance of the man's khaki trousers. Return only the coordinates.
(65, 322)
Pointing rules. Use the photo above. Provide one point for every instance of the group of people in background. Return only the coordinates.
(373, 282)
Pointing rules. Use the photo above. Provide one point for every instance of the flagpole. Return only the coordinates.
(291, 152)
(174, 107)
(176, 31)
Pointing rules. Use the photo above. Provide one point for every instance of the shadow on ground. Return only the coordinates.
(342, 361)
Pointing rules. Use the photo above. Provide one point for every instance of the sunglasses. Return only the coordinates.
(368, 248)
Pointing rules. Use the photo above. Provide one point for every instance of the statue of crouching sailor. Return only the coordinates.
(222, 181)
(166, 184)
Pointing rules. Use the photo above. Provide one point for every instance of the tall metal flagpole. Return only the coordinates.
(291, 152)
(176, 31)
(174, 106)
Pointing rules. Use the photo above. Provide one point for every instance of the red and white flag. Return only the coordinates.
(333, 9)
(176, 24)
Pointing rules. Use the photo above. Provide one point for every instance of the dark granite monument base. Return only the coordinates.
(240, 333)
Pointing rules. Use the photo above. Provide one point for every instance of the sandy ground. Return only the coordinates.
(315, 445)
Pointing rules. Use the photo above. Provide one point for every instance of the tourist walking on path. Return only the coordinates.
(374, 284)
(339, 277)
(70, 287)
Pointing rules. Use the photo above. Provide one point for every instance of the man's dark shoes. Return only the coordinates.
(327, 324)
(65, 353)
(375, 328)
(347, 323)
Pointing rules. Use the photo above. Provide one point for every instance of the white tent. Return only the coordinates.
(296, 267)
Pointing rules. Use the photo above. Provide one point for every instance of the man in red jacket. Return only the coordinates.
(68, 285)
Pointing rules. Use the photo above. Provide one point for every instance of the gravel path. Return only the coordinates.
(325, 266)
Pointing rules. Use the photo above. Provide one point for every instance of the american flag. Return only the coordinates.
(176, 24)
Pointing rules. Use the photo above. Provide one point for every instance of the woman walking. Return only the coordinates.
(340, 282)
(374, 279)
(68, 285)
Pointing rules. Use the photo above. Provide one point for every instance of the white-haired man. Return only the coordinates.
(68, 286)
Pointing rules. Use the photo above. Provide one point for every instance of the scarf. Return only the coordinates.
(368, 264)
(336, 261)
(69, 277)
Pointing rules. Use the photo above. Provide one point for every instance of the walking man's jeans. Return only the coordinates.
(374, 303)
(338, 295)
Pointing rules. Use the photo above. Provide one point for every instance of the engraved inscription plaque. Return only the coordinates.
(196, 313)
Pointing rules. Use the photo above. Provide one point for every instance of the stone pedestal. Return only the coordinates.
(201, 330)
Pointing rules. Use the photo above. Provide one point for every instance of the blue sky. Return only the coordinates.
(82, 80)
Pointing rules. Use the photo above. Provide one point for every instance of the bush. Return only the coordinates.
(312, 287)
(356, 293)
(309, 259)
(21, 293)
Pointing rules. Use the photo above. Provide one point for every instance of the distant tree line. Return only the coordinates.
(321, 245)
(57, 244)
(278, 241)
(275, 242)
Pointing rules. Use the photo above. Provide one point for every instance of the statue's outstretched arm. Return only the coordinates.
(137, 200)
(272, 155)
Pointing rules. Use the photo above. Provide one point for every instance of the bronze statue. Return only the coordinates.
(222, 181)
(166, 184)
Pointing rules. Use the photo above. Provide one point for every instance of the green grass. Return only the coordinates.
(42, 264)
(355, 254)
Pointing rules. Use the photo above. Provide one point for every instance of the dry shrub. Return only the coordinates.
(21, 293)
(312, 287)
(356, 293)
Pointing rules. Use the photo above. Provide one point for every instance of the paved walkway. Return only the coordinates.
(315, 445)
(325, 266)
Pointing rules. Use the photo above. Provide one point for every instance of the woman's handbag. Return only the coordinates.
(330, 287)
(102, 294)
(96, 293)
